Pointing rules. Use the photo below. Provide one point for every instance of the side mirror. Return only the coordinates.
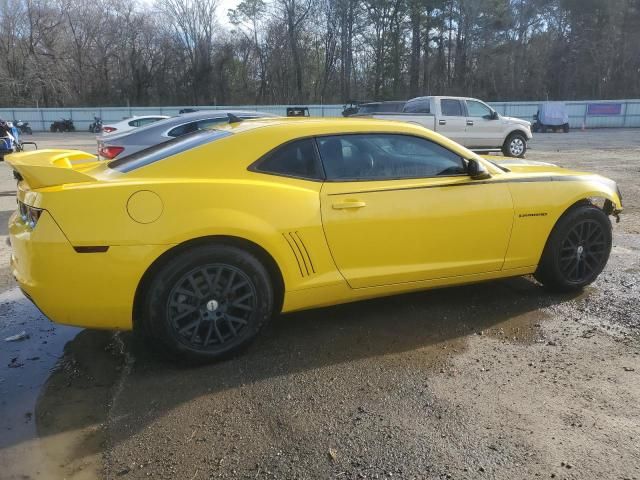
(494, 115)
(476, 170)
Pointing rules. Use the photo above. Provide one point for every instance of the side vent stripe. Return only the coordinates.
(304, 260)
(304, 247)
(300, 252)
(294, 253)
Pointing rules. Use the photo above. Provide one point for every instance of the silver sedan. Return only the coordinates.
(120, 145)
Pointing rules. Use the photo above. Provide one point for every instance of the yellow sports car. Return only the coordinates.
(199, 241)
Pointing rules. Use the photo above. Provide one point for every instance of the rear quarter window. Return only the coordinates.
(298, 159)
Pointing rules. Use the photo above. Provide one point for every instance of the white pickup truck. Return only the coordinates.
(468, 121)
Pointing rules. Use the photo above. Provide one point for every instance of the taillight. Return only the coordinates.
(110, 152)
(108, 129)
(29, 215)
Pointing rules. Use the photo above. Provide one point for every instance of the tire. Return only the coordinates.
(207, 303)
(565, 128)
(577, 249)
(515, 145)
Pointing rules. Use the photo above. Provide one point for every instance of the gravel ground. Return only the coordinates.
(497, 380)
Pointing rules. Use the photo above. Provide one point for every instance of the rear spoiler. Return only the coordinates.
(46, 168)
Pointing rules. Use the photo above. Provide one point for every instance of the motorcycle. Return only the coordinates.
(63, 125)
(24, 127)
(13, 144)
(96, 126)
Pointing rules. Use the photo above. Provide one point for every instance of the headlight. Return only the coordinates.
(29, 215)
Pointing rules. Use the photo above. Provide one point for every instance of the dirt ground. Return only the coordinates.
(499, 380)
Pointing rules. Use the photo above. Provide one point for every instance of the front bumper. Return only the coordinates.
(94, 290)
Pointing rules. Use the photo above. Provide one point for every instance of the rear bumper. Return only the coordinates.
(94, 290)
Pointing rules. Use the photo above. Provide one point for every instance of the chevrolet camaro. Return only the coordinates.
(199, 241)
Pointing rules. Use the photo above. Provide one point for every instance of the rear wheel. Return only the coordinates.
(577, 250)
(208, 303)
(565, 128)
(515, 145)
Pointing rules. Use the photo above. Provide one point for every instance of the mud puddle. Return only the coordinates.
(54, 386)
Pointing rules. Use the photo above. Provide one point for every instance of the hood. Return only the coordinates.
(517, 121)
(520, 165)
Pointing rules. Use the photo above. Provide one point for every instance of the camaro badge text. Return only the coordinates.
(542, 214)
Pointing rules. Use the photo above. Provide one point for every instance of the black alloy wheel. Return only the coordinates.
(577, 249)
(584, 251)
(211, 306)
(207, 303)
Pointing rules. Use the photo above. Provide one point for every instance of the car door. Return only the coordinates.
(452, 122)
(483, 129)
(398, 208)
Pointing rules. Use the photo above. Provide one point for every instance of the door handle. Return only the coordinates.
(349, 204)
(442, 122)
(470, 123)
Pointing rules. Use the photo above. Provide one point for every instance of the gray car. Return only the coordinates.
(112, 146)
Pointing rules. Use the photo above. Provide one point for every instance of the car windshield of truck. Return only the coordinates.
(166, 149)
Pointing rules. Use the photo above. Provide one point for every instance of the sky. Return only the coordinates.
(223, 6)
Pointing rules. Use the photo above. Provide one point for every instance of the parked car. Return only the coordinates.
(119, 145)
(373, 107)
(551, 116)
(24, 127)
(130, 123)
(468, 121)
(199, 241)
(298, 112)
(62, 125)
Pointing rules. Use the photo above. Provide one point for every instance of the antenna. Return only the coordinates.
(233, 118)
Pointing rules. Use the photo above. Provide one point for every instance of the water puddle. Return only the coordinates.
(53, 394)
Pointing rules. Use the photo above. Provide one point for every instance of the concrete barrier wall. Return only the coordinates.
(580, 113)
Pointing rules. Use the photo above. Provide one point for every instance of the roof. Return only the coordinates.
(311, 126)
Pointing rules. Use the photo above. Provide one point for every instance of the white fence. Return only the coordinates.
(590, 114)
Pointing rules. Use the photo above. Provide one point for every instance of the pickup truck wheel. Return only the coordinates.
(565, 128)
(515, 145)
(577, 250)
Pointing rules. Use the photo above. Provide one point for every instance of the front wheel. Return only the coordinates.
(515, 145)
(576, 251)
(208, 303)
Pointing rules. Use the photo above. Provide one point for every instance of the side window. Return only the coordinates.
(451, 108)
(295, 159)
(478, 109)
(134, 123)
(386, 157)
(209, 122)
(417, 106)
(183, 129)
(146, 121)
